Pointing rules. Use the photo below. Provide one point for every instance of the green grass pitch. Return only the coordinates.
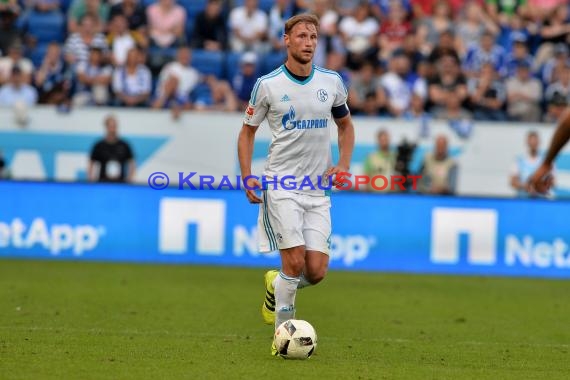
(71, 320)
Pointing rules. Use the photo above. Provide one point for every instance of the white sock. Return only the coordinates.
(303, 282)
(285, 291)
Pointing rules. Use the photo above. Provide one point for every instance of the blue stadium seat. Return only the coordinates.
(264, 5)
(189, 29)
(46, 27)
(208, 62)
(146, 3)
(202, 94)
(233, 65)
(271, 61)
(65, 5)
(193, 7)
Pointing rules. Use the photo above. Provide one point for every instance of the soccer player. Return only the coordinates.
(299, 101)
(542, 180)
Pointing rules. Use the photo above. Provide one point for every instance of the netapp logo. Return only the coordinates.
(176, 214)
(480, 227)
(209, 217)
(55, 238)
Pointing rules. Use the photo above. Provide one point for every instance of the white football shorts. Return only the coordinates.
(287, 219)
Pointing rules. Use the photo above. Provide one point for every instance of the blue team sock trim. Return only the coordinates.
(287, 278)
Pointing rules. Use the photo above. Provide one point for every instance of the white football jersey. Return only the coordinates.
(299, 116)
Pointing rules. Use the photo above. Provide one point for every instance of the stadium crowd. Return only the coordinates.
(448, 59)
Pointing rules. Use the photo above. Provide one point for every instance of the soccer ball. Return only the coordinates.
(295, 339)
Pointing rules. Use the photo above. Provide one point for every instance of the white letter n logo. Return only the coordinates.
(176, 214)
(447, 226)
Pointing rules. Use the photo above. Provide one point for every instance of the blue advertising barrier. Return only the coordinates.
(423, 234)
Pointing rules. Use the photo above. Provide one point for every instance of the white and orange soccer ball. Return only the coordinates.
(295, 339)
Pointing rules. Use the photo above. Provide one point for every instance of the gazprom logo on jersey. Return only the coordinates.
(288, 121)
(208, 217)
(478, 230)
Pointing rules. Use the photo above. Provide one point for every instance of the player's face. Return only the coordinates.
(302, 42)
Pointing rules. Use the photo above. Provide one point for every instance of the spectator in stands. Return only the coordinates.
(381, 163)
(78, 44)
(9, 8)
(222, 98)
(19, 96)
(4, 170)
(135, 13)
(166, 22)
(329, 39)
(132, 82)
(541, 10)
(381, 8)
(120, 39)
(472, 26)
(555, 64)
(365, 94)
(524, 94)
(98, 9)
(45, 6)
(400, 84)
(445, 46)
(111, 158)
(93, 80)
(346, 7)
(210, 28)
(410, 48)
(501, 11)
(439, 170)
(359, 33)
(519, 53)
(419, 92)
(555, 30)
(525, 165)
(248, 28)
(394, 30)
(244, 80)
(487, 94)
(14, 58)
(448, 89)
(281, 11)
(9, 31)
(54, 77)
(557, 94)
(487, 51)
(176, 82)
(430, 29)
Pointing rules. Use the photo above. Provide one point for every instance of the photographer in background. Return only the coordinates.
(4, 171)
(439, 170)
(403, 158)
(382, 162)
(113, 155)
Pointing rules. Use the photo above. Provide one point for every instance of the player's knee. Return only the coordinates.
(316, 276)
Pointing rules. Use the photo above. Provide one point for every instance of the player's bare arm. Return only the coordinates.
(245, 154)
(541, 181)
(345, 145)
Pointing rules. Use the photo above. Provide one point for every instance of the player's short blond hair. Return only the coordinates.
(304, 18)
